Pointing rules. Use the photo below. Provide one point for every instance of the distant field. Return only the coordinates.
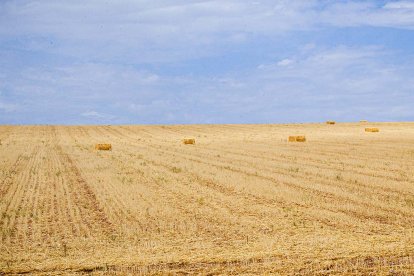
(241, 200)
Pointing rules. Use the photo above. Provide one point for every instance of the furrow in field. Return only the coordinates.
(111, 186)
(321, 195)
(91, 212)
(15, 198)
(7, 181)
(351, 212)
(172, 192)
(342, 164)
(329, 183)
(350, 182)
(301, 154)
(286, 166)
(198, 179)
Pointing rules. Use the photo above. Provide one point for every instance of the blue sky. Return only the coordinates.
(180, 62)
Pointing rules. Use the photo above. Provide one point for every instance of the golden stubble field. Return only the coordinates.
(242, 200)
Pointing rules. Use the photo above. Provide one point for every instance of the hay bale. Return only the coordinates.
(330, 122)
(300, 138)
(103, 147)
(189, 141)
(371, 129)
(363, 121)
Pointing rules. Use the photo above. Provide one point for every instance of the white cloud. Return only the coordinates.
(84, 91)
(398, 14)
(344, 82)
(165, 31)
(97, 115)
(84, 80)
(404, 5)
(285, 62)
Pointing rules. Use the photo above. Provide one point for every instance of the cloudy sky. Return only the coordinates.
(225, 61)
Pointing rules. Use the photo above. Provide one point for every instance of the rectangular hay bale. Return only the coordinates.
(189, 141)
(103, 147)
(300, 138)
(330, 122)
(371, 129)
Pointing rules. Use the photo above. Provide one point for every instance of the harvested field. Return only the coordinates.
(243, 201)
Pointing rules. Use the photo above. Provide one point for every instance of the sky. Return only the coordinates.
(205, 62)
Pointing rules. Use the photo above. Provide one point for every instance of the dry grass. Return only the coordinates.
(242, 202)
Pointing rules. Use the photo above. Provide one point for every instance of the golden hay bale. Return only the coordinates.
(330, 122)
(297, 139)
(189, 141)
(371, 129)
(103, 147)
(300, 139)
